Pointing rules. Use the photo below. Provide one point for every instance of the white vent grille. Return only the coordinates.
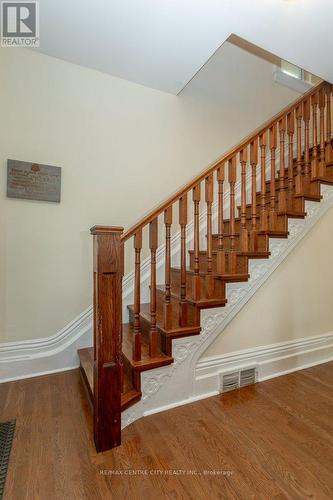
(230, 381)
(234, 380)
(247, 377)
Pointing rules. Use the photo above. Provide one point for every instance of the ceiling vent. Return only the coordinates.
(237, 379)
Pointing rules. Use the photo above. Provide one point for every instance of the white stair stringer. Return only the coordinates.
(175, 385)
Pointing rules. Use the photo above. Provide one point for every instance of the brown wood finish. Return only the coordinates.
(282, 201)
(322, 165)
(232, 182)
(299, 178)
(244, 232)
(183, 223)
(254, 161)
(137, 296)
(314, 163)
(173, 308)
(107, 336)
(272, 146)
(290, 131)
(328, 149)
(220, 176)
(153, 236)
(269, 441)
(263, 208)
(167, 303)
(225, 158)
(307, 165)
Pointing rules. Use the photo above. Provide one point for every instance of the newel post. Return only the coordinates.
(108, 271)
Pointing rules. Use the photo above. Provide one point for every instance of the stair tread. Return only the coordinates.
(129, 395)
(201, 303)
(147, 362)
(225, 276)
(250, 253)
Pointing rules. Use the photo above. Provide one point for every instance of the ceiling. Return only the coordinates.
(163, 43)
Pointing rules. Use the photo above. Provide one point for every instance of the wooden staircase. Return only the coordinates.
(254, 201)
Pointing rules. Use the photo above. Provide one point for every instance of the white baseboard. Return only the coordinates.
(270, 361)
(32, 358)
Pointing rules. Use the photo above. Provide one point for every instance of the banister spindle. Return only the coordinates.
(254, 162)
(196, 193)
(263, 211)
(244, 237)
(167, 302)
(298, 180)
(328, 149)
(220, 260)
(232, 182)
(272, 145)
(182, 223)
(282, 198)
(290, 131)
(209, 201)
(306, 118)
(314, 162)
(322, 165)
(136, 323)
(153, 335)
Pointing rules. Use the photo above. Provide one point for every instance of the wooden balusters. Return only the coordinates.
(290, 131)
(136, 323)
(306, 118)
(220, 259)
(167, 303)
(322, 165)
(298, 180)
(108, 270)
(153, 334)
(282, 197)
(209, 194)
(314, 162)
(182, 223)
(254, 162)
(328, 148)
(232, 181)
(272, 146)
(244, 237)
(196, 278)
(263, 211)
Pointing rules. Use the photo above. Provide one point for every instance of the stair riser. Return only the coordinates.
(209, 287)
(241, 263)
(262, 243)
(281, 224)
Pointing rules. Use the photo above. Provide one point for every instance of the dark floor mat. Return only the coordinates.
(7, 430)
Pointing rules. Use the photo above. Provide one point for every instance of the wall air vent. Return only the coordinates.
(235, 380)
(230, 381)
(247, 377)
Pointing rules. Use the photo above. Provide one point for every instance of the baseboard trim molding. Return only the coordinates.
(33, 358)
(270, 361)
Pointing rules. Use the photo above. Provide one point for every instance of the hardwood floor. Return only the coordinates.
(273, 440)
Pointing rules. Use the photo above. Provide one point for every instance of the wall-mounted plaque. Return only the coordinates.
(33, 181)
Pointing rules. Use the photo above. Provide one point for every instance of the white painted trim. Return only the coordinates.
(291, 82)
(270, 361)
(31, 358)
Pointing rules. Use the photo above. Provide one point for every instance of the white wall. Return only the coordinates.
(123, 149)
(295, 302)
